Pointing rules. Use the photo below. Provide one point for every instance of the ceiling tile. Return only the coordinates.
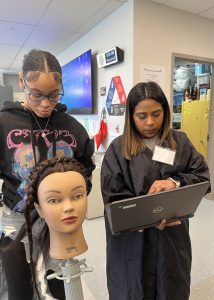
(100, 15)
(70, 15)
(8, 51)
(192, 6)
(26, 24)
(4, 63)
(23, 50)
(160, 1)
(67, 42)
(15, 67)
(22, 11)
(48, 38)
(14, 33)
(208, 14)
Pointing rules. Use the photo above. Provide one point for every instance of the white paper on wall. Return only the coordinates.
(153, 73)
(115, 126)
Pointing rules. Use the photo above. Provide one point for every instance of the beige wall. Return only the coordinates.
(160, 31)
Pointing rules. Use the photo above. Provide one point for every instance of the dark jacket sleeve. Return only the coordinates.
(86, 158)
(115, 179)
(85, 155)
(194, 167)
(85, 152)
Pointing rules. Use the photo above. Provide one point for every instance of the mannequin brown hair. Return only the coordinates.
(42, 170)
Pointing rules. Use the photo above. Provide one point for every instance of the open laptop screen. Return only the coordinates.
(149, 210)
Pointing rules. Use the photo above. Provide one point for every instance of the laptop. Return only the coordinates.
(149, 210)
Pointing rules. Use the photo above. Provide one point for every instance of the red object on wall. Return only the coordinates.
(100, 136)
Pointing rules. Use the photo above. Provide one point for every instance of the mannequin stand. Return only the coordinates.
(71, 271)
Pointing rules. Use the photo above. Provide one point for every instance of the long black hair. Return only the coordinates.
(131, 141)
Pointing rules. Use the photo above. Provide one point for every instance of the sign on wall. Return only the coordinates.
(116, 98)
(153, 73)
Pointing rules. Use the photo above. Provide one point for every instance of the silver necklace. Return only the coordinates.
(42, 130)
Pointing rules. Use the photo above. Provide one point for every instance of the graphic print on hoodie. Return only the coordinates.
(25, 146)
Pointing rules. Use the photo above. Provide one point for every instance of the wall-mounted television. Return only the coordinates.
(77, 84)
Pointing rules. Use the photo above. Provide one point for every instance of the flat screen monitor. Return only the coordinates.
(77, 84)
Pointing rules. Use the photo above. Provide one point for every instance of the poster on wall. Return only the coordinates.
(116, 98)
(153, 73)
(115, 126)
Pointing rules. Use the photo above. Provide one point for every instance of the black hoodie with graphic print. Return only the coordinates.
(22, 144)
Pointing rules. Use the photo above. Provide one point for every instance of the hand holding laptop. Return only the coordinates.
(158, 186)
(164, 224)
(161, 185)
(146, 211)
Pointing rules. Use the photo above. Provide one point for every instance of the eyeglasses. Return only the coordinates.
(54, 97)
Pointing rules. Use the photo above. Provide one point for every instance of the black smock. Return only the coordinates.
(153, 264)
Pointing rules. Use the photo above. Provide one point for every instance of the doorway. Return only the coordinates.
(192, 103)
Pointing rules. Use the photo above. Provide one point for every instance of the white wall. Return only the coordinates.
(160, 31)
(116, 30)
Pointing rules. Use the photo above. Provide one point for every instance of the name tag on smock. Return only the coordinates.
(164, 155)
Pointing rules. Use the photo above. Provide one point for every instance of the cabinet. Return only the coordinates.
(194, 122)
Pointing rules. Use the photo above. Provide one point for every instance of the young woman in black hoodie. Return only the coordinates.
(32, 131)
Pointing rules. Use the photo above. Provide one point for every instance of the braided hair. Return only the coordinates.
(37, 61)
(42, 170)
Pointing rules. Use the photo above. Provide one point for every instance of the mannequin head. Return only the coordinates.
(58, 194)
(62, 201)
(58, 190)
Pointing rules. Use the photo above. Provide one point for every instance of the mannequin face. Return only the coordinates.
(63, 201)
